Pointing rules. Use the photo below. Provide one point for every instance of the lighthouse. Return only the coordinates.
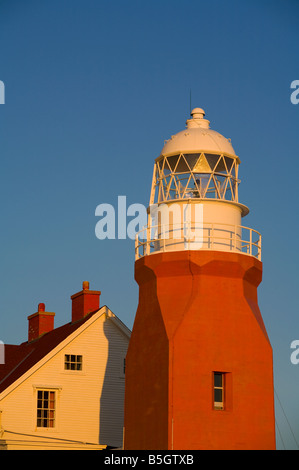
(199, 367)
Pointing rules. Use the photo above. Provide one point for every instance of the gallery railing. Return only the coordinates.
(204, 236)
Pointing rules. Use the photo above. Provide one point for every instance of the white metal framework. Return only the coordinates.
(195, 175)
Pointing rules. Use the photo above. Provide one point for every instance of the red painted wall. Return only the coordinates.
(198, 313)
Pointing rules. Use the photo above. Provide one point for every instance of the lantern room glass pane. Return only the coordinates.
(229, 163)
(182, 166)
(212, 160)
(166, 169)
(201, 183)
(221, 184)
(191, 159)
(220, 167)
(202, 165)
(172, 161)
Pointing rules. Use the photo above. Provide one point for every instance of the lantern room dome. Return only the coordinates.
(198, 137)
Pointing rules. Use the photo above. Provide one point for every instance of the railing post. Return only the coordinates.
(260, 248)
(136, 247)
(250, 241)
(148, 240)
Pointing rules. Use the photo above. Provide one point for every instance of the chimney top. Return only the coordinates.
(84, 302)
(40, 322)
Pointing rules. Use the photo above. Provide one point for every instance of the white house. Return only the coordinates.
(64, 387)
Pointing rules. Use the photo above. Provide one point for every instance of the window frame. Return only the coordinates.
(219, 405)
(73, 361)
(46, 414)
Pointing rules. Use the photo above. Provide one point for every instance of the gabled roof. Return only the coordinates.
(20, 358)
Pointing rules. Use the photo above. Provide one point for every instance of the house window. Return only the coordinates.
(219, 390)
(72, 362)
(46, 405)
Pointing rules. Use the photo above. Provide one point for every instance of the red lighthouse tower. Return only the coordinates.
(199, 372)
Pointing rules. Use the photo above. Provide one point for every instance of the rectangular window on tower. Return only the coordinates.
(219, 390)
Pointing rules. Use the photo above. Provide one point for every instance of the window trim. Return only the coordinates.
(53, 388)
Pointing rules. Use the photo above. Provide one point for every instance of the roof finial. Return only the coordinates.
(198, 113)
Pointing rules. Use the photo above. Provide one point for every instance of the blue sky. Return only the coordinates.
(92, 90)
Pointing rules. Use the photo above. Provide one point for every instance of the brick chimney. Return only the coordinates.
(40, 323)
(84, 302)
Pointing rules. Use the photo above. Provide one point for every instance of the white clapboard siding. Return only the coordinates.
(89, 404)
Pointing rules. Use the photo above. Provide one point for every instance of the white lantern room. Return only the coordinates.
(194, 203)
